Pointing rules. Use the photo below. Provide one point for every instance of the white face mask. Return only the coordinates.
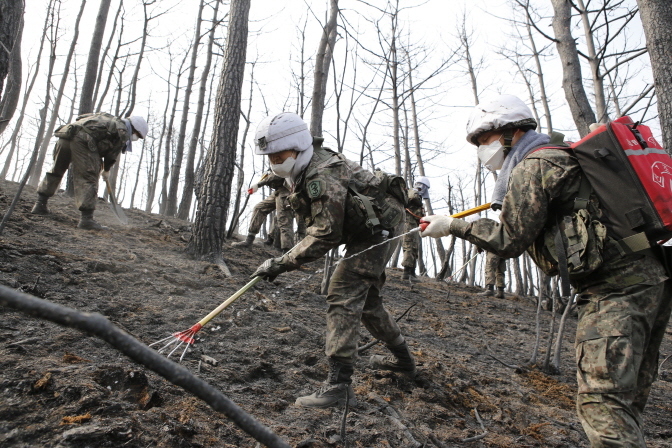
(284, 169)
(492, 155)
(134, 138)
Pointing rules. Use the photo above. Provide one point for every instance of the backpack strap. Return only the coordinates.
(371, 217)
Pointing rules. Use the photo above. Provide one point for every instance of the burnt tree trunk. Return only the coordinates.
(37, 169)
(656, 18)
(171, 206)
(188, 191)
(17, 127)
(325, 51)
(11, 24)
(12, 89)
(89, 83)
(213, 200)
(572, 81)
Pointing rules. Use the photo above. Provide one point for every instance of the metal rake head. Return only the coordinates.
(176, 340)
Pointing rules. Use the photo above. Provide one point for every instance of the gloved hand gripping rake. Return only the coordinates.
(176, 340)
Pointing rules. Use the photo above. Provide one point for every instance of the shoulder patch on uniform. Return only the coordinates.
(315, 188)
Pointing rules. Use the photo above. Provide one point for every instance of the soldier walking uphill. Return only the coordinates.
(284, 215)
(624, 302)
(414, 212)
(94, 140)
(342, 203)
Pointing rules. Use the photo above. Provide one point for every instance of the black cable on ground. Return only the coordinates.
(102, 328)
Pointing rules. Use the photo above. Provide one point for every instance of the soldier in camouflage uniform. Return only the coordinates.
(624, 302)
(276, 201)
(495, 268)
(414, 212)
(91, 142)
(342, 203)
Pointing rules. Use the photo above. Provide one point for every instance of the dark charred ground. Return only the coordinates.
(62, 388)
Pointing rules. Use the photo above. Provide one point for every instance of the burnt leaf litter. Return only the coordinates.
(63, 388)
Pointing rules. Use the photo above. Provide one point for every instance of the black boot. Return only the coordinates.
(335, 390)
(40, 207)
(269, 241)
(500, 293)
(489, 291)
(88, 223)
(247, 242)
(401, 359)
(409, 274)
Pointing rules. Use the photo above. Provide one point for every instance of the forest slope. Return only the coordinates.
(62, 388)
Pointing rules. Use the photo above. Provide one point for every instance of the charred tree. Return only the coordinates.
(572, 80)
(325, 51)
(171, 204)
(213, 201)
(188, 191)
(12, 88)
(656, 18)
(86, 96)
(37, 169)
(17, 127)
(11, 24)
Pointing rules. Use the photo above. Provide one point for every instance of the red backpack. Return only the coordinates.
(631, 174)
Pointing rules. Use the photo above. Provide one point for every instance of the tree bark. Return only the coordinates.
(169, 141)
(11, 24)
(134, 80)
(37, 169)
(213, 202)
(656, 18)
(171, 206)
(188, 191)
(17, 127)
(325, 51)
(89, 83)
(12, 89)
(572, 81)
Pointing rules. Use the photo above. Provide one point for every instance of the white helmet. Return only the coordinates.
(423, 180)
(504, 112)
(139, 124)
(281, 132)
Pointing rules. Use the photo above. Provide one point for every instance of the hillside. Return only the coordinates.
(62, 388)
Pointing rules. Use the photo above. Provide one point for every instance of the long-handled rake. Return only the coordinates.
(187, 336)
(176, 340)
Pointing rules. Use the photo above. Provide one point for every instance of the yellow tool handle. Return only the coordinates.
(471, 211)
(229, 301)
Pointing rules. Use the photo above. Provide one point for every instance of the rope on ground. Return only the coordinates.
(97, 325)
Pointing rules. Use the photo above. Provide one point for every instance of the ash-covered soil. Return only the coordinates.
(62, 388)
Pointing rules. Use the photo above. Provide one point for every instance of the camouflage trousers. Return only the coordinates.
(86, 166)
(354, 296)
(495, 267)
(284, 215)
(617, 341)
(411, 245)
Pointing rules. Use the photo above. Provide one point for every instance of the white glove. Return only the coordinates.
(435, 226)
(253, 189)
(472, 218)
(106, 176)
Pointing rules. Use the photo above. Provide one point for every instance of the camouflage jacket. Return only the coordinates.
(320, 196)
(414, 209)
(103, 133)
(270, 179)
(541, 187)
